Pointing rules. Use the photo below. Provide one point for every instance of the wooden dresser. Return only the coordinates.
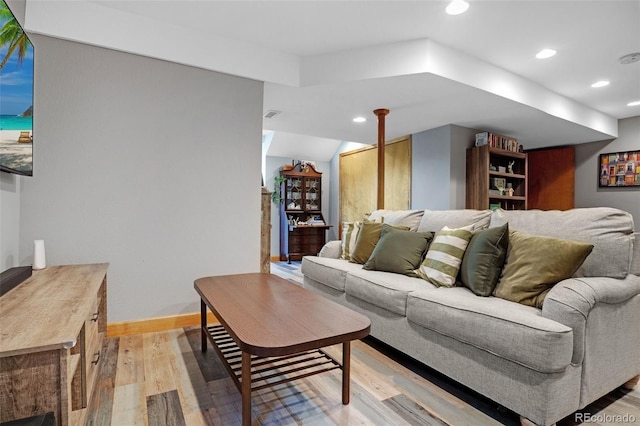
(52, 331)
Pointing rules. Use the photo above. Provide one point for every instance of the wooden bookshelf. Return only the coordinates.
(483, 182)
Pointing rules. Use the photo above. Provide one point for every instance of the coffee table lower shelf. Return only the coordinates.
(268, 371)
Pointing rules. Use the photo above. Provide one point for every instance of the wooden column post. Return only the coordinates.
(381, 113)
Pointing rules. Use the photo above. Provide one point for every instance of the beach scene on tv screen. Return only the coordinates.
(16, 95)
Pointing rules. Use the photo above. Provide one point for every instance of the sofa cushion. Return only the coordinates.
(331, 249)
(534, 264)
(435, 220)
(609, 230)
(409, 218)
(398, 251)
(328, 271)
(384, 289)
(483, 260)
(508, 330)
(442, 262)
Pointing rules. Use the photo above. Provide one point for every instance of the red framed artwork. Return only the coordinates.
(619, 169)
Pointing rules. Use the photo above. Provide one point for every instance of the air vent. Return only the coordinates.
(271, 113)
(630, 58)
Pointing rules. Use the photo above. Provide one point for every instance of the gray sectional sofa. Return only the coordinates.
(543, 364)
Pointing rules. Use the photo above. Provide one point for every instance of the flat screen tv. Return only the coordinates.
(16, 96)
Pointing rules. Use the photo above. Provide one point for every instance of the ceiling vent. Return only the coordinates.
(271, 113)
(630, 58)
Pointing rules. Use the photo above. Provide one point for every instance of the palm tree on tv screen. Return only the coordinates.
(12, 35)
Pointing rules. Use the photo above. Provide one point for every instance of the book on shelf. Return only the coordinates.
(497, 141)
(316, 220)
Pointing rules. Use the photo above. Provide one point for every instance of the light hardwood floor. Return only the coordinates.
(163, 378)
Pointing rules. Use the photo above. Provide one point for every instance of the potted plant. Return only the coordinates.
(276, 196)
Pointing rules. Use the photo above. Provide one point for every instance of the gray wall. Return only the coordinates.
(461, 139)
(149, 165)
(438, 178)
(588, 194)
(430, 154)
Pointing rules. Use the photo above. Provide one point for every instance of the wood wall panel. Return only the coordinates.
(552, 178)
(265, 231)
(358, 179)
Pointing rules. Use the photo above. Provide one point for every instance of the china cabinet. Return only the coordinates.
(302, 226)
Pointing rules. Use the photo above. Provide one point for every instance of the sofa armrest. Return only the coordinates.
(332, 249)
(635, 255)
(570, 301)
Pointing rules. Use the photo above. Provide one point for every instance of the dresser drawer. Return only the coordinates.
(305, 239)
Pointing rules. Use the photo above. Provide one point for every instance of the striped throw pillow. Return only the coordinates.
(350, 231)
(441, 264)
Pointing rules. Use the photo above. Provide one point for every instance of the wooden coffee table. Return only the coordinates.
(271, 331)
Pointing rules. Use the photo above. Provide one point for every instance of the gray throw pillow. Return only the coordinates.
(483, 260)
(398, 251)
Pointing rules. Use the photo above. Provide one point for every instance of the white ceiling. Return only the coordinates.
(324, 62)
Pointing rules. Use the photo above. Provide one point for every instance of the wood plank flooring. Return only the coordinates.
(163, 378)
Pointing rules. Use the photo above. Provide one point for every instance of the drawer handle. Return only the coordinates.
(95, 316)
(97, 358)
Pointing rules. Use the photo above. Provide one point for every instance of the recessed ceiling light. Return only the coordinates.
(545, 53)
(359, 120)
(456, 7)
(600, 83)
(634, 103)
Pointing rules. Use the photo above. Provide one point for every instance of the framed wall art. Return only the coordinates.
(620, 169)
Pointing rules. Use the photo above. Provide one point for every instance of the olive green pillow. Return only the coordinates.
(534, 264)
(350, 232)
(367, 239)
(399, 251)
(483, 259)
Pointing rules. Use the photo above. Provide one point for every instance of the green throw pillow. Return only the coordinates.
(367, 239)
(534, 264)
(350, 233)
(442, 263)
(398, 251)
(483, 259)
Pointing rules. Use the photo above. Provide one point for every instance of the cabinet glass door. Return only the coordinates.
(294, 193)
(312, 193)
